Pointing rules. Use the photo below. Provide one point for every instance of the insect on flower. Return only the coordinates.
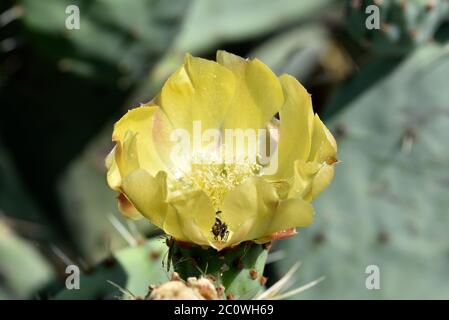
(220, 229)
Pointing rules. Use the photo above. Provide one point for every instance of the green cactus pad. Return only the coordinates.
(403, 24)
(239, 269)
(17, 258)
(388, 204)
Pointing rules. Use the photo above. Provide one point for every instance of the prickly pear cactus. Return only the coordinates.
(131, 273)
(239, 269)
(388, 205)
(404, 24)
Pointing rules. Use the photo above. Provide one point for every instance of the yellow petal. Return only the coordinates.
(189, 217)
(173, 225)
(248, 210)
(321, 181)
(164, 142)
(126, 154)
(134, 134)
(196, 216)
(311, 177)
(324, 147)
(296, 120)
(254, 211)
(294, 212)
(201, 90)
(113, 176)
(147, 194)
(258, 94)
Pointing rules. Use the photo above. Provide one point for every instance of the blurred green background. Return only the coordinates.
(383, 92)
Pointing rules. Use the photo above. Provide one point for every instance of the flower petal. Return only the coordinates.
(321, 181)
(200, 90)
(147, 194)
(296, 120)
(278, 235)
(311, 177)
(304, 173)
(134, 134)
(258, 94)
(248, 210)
(126, 153)
(293, 212)
(173, 225)
(324, 147)
(196, 216)
(113, 176)
(254, 211)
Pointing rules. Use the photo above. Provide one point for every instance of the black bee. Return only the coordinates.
(220, 229)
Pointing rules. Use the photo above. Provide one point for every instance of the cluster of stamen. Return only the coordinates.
(215, 179)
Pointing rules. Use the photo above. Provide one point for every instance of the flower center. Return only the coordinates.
(215, 179)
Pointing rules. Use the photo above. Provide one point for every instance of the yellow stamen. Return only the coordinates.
(215, 179)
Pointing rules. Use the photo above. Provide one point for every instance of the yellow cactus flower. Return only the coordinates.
(196, 196)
